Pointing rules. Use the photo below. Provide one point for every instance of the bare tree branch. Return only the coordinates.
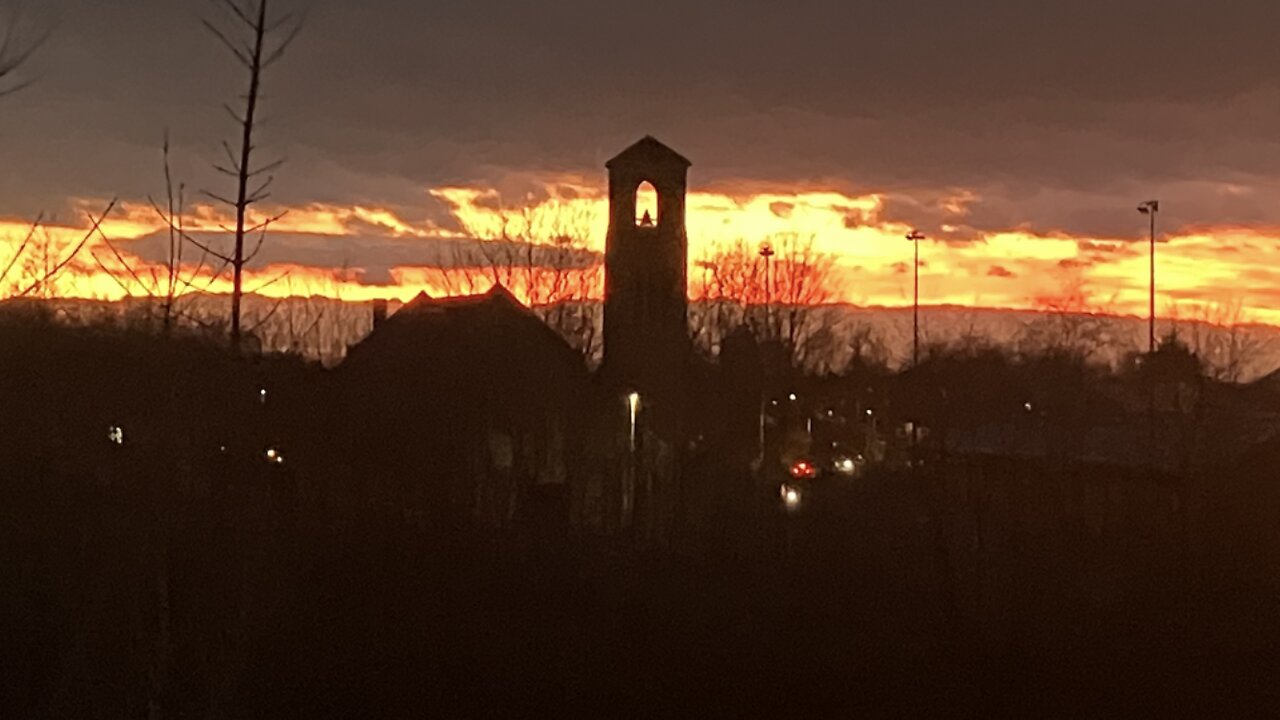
(270, 282)
(14, 54)
(220, 199)
(128, 268)
(256, 54)
(238, 12)
(53, 272)
(241, 54)
(22, 247)
(279, 53)
(208, 249)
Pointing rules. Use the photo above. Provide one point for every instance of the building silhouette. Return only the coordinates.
(646, 337)
(478, 403)
(469, 404)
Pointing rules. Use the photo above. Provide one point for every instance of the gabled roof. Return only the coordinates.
(648, 152)
(422, 302)
(494, 321)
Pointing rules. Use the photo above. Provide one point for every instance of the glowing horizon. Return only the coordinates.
(1198, 271)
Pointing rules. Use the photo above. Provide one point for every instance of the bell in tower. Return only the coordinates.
(646, 338)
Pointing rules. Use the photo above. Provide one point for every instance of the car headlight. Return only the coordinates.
(791, 496)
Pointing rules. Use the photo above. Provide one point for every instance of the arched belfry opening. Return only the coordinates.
(646, 204)
(646, 338)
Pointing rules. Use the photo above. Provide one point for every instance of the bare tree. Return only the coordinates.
(1070, 323)
(15, 51)
(257, 40)
(166, 283)
(802, 281)
(1217, 333)
(867, 348)
(40, 258)
(780, 297)
(733, 294)
(545, 259)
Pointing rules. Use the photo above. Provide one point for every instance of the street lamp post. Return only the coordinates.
(707, 268)
(633, 410)
(1150, 208)
(915, 236)
(631, 501)
(767, 252)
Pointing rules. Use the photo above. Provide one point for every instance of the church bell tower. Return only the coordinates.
(646, 337)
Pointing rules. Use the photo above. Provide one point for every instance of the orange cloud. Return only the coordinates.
(1000, 269)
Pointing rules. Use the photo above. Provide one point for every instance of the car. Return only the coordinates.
(840, 464)
(792, 495)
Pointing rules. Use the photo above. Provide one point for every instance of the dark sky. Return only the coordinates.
(1053, 113)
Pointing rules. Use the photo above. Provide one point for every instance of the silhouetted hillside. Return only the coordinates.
(323, 329)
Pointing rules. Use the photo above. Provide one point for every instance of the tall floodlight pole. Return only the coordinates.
(767, 252)
(1150, 208)
(915, 236)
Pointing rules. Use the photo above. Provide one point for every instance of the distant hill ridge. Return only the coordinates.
(323, 328)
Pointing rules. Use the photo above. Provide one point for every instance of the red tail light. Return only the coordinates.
(803, 469)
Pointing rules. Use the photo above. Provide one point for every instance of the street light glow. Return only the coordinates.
(633, 409)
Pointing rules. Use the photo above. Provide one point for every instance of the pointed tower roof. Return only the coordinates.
(648, 152)
(422, 299)
(500, 292)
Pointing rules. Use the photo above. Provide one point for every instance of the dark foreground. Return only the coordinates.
(880, 607)
(176, 569)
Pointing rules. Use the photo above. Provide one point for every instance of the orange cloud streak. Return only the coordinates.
(1012, 269)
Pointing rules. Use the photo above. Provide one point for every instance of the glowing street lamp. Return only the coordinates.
(1150, 208)
(633, 409)
(274, 456)
(708, 267)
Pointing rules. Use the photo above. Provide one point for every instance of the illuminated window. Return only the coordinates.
(646, 205)
(115, 434)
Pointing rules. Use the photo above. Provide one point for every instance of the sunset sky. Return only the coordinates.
(1018, 136)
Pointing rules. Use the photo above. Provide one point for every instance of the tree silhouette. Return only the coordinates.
(257, 40)
(169, 283)
(779, 297)
(1070, 323)
(545, 259)
(40, 258)
(15, 51)
(1216, 333)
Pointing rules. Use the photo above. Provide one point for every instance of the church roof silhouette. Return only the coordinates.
(648, 152)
